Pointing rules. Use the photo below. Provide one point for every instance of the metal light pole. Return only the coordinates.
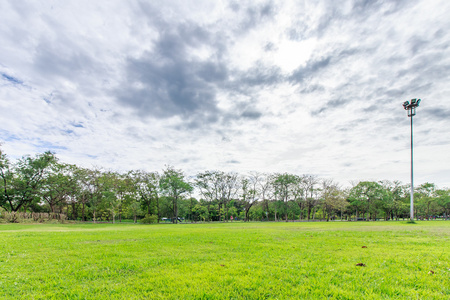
(411, 108)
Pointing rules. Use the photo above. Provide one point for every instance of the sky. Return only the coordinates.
(304, 87)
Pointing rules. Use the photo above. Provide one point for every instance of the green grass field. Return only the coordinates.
(226, 261)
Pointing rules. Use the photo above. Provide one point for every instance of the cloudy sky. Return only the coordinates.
(307, 87)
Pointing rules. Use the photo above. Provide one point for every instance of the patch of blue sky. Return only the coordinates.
(67, 131)
(48, 98)
(7, 136)
(78, 125)
(44, 145)
(12, 79)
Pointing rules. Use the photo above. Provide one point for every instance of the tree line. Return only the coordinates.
(43, 184)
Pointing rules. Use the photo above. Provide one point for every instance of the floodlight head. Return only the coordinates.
(413, 101)
(405, 104)
(418, 101)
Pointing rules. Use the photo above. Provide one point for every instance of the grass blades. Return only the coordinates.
(226, 261)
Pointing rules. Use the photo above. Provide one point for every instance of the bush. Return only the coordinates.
(25, 217)
(13, 217)
(149, 219)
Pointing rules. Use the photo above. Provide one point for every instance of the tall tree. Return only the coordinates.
(311, 188)
(366, 197)
(7, 178)
(147, 185)
(210, 184)
(94, 187)
(125, 191)
(228, 189)
(300, 194)
(21, 183)
(174, 185)
(443, 200)
(84, 184)
(284, 185)
(393, 204)
(251, 190)
(333, 198)
(266, 191)
(110, 184)
(58, 186)
(426, 193)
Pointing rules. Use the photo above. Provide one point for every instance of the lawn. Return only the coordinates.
(226, 261)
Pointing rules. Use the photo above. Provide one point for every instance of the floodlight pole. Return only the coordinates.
(411, 108)
(412, 174)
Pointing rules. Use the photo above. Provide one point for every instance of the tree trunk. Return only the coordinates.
(157, 208)
(226, 215)
(286, 210)
(175, 208)
(74, 211)
(209, 210)
(83, 217)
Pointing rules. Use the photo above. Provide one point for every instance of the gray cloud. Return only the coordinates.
(50, 61)
(333, 14)
(167, 81)
(352, 124)
(332, 104)
(312, 88)
(255, 15)
(269, 47)
(257, 76)
(437, 113)
(251, 114)
(312, 68)
(233, 161)
(164, 82)
(165, 90)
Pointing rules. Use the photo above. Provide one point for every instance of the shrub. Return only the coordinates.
(25, 217)
(149, 219)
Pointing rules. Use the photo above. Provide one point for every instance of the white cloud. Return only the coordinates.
(293, 54)
(305, 87)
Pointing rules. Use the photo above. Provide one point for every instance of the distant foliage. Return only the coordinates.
(41, 189)
(149, 219)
